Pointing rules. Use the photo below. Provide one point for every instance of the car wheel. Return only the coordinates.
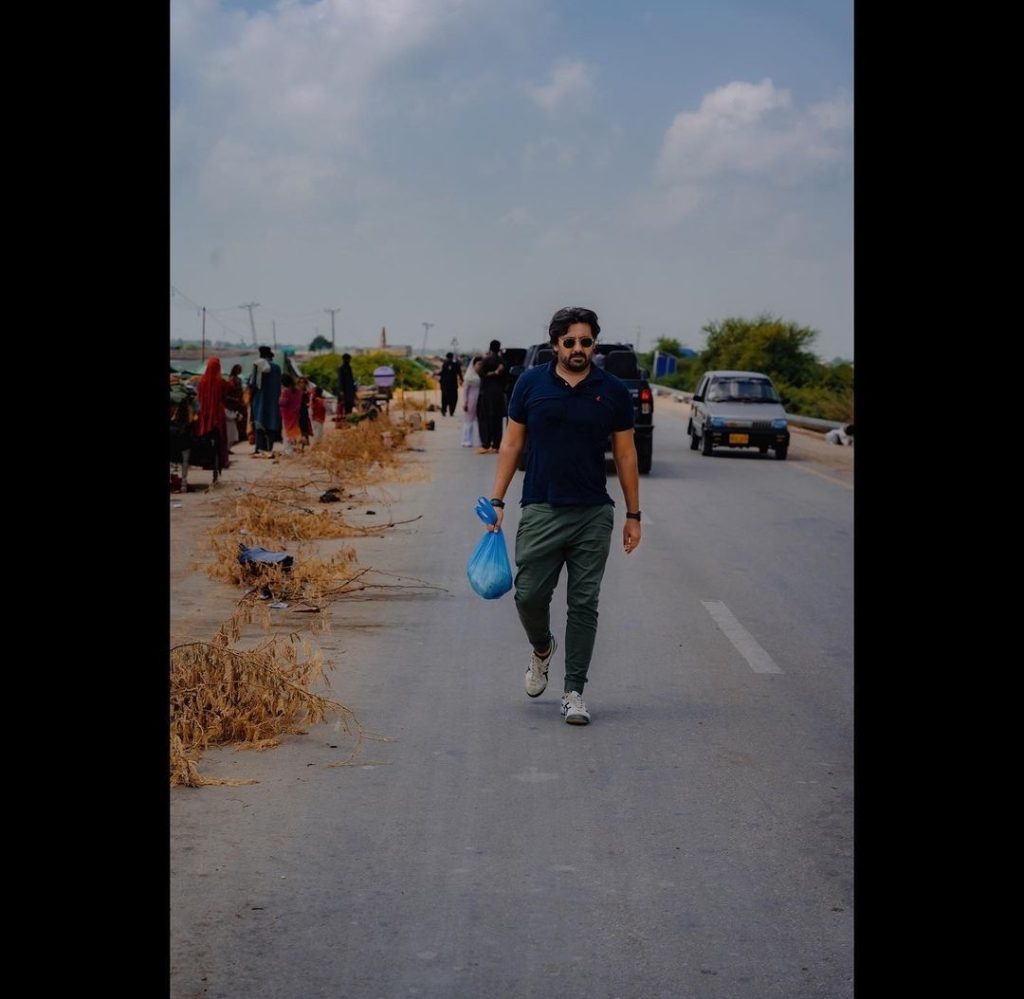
(781, 452)
(694, 440)
(705, 442)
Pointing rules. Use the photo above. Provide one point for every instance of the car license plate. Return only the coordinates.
(739, 438)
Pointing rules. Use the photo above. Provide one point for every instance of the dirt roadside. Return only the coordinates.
(199, 605)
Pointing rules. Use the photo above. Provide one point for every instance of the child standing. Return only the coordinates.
(305, 428)
(290, 403)
(318, 413)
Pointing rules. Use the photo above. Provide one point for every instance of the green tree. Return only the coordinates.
(408, 374)
(779, 349)
(320, 343)
(667, 345)
(767, 344)
(323, 370)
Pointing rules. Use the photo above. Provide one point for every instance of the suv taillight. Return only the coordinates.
(645, 394)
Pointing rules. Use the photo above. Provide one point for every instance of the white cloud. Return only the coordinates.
(833, 115)
(571, 83)
(747, 130)
(299, 76)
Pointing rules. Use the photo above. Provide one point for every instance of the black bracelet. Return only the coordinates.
(500, 504)
(633, 516)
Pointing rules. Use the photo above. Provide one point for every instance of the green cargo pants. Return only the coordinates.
(549, 537)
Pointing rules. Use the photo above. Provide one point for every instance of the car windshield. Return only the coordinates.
(742, 390)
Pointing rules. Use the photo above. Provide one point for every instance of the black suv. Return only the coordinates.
(620, 360)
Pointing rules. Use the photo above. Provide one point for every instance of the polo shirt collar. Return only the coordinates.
(595, 374)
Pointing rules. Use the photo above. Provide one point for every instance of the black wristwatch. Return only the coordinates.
(500, 504)
(633, 516)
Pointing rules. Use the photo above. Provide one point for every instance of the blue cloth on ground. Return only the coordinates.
(246, 555)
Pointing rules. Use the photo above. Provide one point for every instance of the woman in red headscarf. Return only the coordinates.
(212, 422)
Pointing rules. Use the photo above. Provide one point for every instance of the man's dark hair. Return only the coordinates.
(265, 351)
(495, 346)
(449, 355)
(346, 357)
(564, 318)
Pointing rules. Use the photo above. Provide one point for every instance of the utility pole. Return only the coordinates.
(250, 307)
(332, 311)
(202, 352)
(273, 326)
(426, 330)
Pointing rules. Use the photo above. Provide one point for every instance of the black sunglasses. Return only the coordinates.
(570, 341)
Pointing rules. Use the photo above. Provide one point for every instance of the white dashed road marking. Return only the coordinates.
(756, 657)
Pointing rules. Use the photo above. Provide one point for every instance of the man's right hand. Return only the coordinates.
(496, 526)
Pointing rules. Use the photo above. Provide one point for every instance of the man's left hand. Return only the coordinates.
(630, 535)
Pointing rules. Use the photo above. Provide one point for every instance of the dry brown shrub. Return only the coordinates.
(356, 454)
(254, 609)
(268, 517)
(252, 697)
(310, 583)
(410, 400)
(222, 695)
(309, 578)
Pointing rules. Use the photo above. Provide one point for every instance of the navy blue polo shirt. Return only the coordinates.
(567, 427)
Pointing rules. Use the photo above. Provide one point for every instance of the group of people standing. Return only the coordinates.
(270, 406)
(483, 396)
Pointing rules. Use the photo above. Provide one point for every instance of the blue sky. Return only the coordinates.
(477, 164)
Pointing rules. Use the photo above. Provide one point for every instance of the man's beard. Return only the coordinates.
(577, 362)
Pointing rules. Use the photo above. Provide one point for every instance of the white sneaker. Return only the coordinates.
(574, 711)
(537, 673)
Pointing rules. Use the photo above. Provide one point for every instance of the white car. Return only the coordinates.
(738, 409)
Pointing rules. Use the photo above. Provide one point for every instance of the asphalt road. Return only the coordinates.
(695, 840)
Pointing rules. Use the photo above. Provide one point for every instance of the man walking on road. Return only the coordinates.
(490, 405)
(346, 385)
(451, 379)
(265, 384)
(569, 408)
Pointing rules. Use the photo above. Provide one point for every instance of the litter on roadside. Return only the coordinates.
(262, 556)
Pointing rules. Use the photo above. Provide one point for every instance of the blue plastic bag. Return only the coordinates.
(488, 569)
